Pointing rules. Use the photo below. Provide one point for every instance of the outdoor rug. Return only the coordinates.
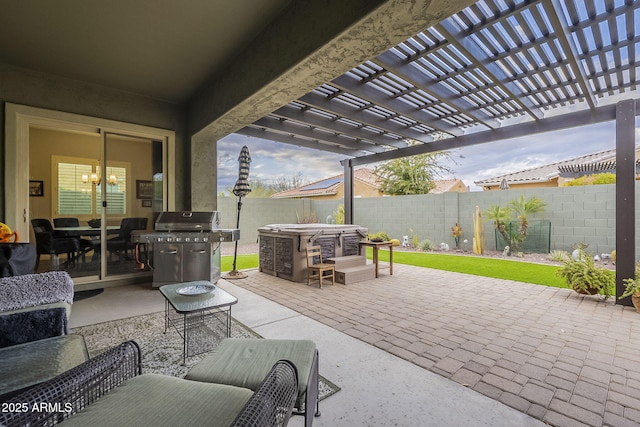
(162, 353)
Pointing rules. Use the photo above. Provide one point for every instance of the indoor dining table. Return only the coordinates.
(87, 230)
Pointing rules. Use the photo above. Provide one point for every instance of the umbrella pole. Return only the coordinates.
(235, 252)
(235, 274)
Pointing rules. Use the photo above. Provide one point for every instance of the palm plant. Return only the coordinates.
(500, 216)
(525, 207)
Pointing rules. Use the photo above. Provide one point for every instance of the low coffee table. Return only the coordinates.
(195, 310)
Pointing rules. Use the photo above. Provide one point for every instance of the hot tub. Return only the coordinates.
(283, 246)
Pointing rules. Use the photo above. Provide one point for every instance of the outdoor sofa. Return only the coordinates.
(244, 362)
(34, 307)
(110, 390)
(35, 344)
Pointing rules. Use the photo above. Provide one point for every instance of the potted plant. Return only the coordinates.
(584, 277)
(632, 289)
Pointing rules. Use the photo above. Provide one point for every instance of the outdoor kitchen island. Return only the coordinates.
(282, 249)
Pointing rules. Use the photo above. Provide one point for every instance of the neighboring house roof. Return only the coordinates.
(329, 186)
(602, 161)
(446, 185)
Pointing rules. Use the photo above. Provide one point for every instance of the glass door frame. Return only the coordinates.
(19, 119)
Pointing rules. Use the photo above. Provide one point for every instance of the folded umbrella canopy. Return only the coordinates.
(242, 188)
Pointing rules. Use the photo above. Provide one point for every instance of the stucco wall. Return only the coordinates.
(577, 214)
(40, 90)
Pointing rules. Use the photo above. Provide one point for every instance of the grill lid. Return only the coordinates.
(187, 221)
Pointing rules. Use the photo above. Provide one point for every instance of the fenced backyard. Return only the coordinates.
(576, 214)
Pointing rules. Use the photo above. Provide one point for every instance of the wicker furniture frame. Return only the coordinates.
(70, 392)
(272, 404)
(60, 398)
(245, 362)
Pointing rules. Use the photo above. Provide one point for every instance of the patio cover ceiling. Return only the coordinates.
(498, 69)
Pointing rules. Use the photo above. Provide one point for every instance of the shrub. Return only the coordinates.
(584, 277)
(379, 237)
(426, 245)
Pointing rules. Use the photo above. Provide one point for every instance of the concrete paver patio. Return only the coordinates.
(566, 359)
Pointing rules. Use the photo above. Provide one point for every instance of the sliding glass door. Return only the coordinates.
(101, 190)
(131, 197)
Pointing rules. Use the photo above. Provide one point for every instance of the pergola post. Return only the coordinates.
(348, 191)
(625, 196)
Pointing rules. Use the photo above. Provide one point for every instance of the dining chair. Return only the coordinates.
(86, 245)
(317, 271)
(49, 243)
(122, 244)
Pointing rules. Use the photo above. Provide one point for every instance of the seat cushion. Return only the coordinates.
(245, 362)
(30, 290)
(160, 400)
(34, 323)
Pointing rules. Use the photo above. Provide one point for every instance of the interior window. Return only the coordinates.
(79, 187)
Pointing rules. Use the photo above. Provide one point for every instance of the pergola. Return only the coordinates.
(498, 69)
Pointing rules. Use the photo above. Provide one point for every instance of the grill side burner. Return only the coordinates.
(186, 247)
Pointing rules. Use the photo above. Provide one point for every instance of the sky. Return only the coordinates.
(271, 160)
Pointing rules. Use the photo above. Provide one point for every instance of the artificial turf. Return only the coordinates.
(539, 274)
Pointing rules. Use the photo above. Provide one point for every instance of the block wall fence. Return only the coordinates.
(577, 214)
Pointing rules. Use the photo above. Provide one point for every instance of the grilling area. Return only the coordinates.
(185, 247)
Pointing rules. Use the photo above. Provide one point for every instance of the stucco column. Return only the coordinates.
(204, 174)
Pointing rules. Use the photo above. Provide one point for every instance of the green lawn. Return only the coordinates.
(538, 274)
(242, 262)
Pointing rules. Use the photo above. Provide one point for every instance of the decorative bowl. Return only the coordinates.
(195, 289)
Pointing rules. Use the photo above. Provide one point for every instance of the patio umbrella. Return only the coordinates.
(240, 190)
(478, 233)
(504, 185)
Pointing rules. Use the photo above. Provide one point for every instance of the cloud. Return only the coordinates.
(492, 159)
(271, 160)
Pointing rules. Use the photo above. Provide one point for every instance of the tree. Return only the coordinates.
(595, 179)
(258, 189)
(411, 175)
(283, 183)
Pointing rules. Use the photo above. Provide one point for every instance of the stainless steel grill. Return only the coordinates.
(185, 247)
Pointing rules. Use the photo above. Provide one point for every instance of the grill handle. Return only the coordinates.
(200, 251)
(175, 251)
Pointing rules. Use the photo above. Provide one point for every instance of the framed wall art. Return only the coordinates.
(36, 188)
(144, 189)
